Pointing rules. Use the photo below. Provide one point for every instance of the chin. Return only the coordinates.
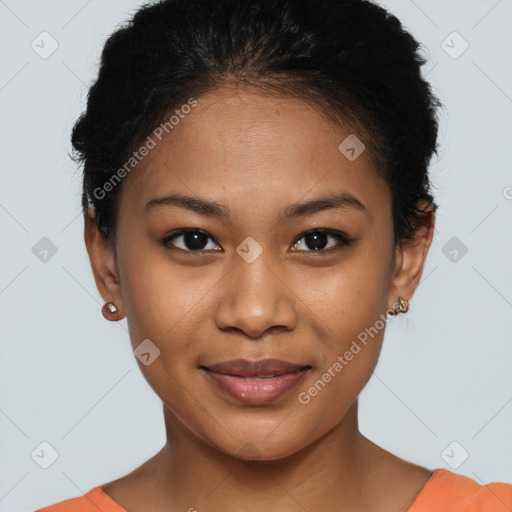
(258, 445)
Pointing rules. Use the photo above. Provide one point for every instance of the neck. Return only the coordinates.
(330, 474)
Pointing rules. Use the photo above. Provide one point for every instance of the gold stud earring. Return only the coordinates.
(109, 309)
(403, 305)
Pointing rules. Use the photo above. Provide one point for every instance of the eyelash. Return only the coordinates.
(342, 239)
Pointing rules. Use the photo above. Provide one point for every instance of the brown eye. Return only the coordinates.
(321, 240)
(191, 240)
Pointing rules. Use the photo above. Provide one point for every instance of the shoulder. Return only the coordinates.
(91, 501)
(451, 492)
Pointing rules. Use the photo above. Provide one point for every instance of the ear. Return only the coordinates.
(410, 257)
(104, 268)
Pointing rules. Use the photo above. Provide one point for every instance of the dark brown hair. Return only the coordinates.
(351, 57)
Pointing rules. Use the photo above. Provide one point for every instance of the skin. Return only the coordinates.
(256, 155)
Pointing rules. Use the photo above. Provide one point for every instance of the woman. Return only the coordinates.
(257, 204)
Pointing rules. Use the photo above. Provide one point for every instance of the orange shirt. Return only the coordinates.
(445, 491)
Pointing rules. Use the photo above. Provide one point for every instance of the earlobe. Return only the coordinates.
(101, 257)
(410, 258)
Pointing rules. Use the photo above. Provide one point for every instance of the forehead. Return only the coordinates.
(244, 142)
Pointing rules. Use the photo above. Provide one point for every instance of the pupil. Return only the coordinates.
(316, 240)
(194, 241)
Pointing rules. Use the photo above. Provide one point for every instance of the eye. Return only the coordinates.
(317, 240)
(190, 240)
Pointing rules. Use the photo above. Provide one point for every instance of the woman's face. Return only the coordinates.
(255, 288)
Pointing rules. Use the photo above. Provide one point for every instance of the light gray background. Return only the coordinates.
(69, 378)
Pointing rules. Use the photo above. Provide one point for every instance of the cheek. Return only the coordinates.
(351, 296)
(160, 299)
(352, 306)
(350, 354)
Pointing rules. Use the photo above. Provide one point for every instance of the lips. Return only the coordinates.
(255, 382)
(262, 369)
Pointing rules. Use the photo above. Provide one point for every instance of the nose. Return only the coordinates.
(255, 299)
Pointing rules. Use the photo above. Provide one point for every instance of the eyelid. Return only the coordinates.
(328, 231)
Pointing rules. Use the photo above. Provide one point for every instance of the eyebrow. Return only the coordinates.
(343, 201)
